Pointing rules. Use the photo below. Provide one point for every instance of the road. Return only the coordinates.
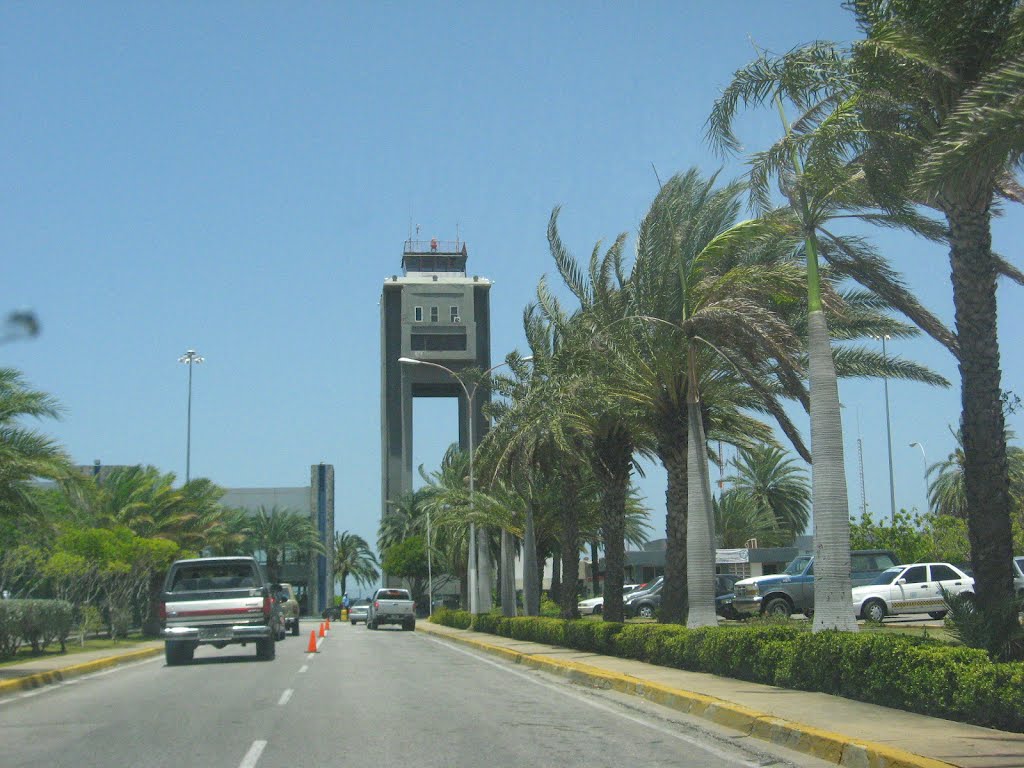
(384, 698)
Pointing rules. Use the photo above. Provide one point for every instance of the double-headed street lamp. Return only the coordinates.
(190, 358)
(888, 430)
(924, 458)
(476, 599)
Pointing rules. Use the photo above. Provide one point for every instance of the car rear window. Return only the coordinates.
(393, 594)
(212, 576)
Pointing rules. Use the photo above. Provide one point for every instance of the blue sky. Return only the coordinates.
(239, 178)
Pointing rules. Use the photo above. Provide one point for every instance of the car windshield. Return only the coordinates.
(797, 567)
(888, 576)
(1020, 564)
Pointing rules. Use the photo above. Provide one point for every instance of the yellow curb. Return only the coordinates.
(39, 679)
(824, 745)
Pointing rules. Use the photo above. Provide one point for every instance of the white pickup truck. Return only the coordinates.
(391, 606)
(218, 601)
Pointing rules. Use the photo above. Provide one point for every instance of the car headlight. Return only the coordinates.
(747, 590)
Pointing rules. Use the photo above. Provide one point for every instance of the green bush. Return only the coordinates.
(915, 674)
(38, 623)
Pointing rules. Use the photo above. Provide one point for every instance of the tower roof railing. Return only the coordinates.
(433, 245)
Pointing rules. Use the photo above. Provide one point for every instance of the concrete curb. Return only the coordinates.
(824, 745)
(39, 679)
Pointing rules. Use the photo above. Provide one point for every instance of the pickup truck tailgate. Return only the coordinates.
(215, 611)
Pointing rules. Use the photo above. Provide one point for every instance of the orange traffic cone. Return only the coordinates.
(327, 625)
(312, 642)
(321, 629)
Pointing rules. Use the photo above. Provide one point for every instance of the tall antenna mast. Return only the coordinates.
(860, 456)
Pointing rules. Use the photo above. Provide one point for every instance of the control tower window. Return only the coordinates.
(417, 314)
(433, 314)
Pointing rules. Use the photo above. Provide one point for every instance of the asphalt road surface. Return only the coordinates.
(385, 698)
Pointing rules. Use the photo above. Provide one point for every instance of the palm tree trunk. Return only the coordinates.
(570, 545)
(613, 468)
(531, 582)
(833, 605)
(508, 583)
(986, 470)
(671, 451)
(700, 577)
(555, 592)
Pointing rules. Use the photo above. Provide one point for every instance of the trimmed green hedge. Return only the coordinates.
(909, 673)
(37, 623)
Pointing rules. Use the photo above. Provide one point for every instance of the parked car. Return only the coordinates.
(913, 588)
(1018, 578)
(725, 594)
(792, 591)
(595, 605)
(289, 608)
(645, 604)
(358, 611)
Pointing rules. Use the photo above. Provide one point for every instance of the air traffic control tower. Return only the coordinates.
(437, 313)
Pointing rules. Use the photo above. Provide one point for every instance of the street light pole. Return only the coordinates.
(430, 574)
(924, 458)
(476, 599)
(888, 432)
(190, 358)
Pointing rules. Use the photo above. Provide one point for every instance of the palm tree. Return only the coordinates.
(939, 87)
(740, 518)
(776, 486)
(606, 421)
(708, 291)
(26, 455)
(947, 494)
(925, 110)
(352, 557)
(277, 531)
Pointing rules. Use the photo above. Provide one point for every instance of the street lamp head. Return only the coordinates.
(410, 361)
(190, 357)
(914, 444)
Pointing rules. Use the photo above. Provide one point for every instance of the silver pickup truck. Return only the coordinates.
(218, 601)
(391, 606)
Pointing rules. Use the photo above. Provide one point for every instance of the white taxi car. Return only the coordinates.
(913, 588)
(595, 605)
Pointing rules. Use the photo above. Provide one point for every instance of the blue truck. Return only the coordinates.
(792, 591)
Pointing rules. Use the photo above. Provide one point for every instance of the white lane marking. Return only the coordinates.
(74, 681)
(607, 708)
(253, 755)
(303, 668)
(285, 697)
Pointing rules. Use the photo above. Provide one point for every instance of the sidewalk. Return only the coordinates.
(38, 672)
(843, 731)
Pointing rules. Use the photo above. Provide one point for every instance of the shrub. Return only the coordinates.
(35, 622)
(915, 674)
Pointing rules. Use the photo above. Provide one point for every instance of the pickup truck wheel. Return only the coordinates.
(295, 628)
(177, 653)
(938, 614)
(645, 611)
(778, 606)
(874, 610)
(266, 649)
(409, 626)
